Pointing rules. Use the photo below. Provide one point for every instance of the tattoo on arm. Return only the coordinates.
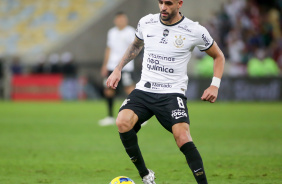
(132, 51)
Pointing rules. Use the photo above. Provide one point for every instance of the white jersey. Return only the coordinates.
(118, 41)
(167, 51)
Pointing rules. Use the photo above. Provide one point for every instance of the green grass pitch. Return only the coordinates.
(61, 143)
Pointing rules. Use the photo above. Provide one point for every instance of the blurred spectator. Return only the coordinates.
(235, 46)
(16, 67)
(248, 29)
(41, 66)
(68, 65)
(55, 67)
(70, 88)
(1, 68)
(233, 9)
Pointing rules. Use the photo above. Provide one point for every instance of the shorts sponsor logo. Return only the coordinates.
(178, 113)
(206, 40)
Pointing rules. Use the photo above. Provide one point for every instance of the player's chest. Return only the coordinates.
(119, 36)
(170, 39)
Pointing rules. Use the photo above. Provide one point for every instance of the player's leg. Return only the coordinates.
(181, 133)
(132, 113)
(109, 96)
(129, 85)
(125, 122)
(172, 113)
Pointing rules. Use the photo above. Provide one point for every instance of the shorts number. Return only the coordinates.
(180, 103)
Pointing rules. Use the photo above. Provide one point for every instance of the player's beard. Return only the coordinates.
(169, 16)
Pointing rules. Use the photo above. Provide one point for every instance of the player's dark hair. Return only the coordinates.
(120, 13)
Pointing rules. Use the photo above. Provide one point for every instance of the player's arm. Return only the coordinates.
(104, 70)
(210, 94)
(132, 51)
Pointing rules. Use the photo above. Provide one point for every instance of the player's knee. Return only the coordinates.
(109, 93)
(124, 124)
(182, 138)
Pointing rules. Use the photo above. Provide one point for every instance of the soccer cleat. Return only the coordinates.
(150, 178)
(107, 121)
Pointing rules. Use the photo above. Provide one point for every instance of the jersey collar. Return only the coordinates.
(174, 23)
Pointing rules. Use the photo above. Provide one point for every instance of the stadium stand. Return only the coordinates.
(247, 30)
(29, 26)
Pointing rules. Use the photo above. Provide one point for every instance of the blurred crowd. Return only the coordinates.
(248, 29)
(53, 64)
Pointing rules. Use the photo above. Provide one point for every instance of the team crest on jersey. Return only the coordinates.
(164, 40)
(166, 32)
(179, 42)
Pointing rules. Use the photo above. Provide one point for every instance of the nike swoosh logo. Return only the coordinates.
(150, 35)
(197, 170)
(179, 117)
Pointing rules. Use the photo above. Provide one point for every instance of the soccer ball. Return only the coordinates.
(122, 180)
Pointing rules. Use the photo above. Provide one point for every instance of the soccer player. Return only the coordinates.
(168, 39)
(118, 40)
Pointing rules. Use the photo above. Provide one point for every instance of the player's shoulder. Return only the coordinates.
(130, 28)
(191, 26)
(112, 30)
(150, 19)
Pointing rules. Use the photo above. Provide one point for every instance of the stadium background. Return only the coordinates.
(53, 50)
(69, 38)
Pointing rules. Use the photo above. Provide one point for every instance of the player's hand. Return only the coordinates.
(210, 94)
(113, 79)
(104, 71)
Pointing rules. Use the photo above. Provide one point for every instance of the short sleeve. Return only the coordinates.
(138, 31)
(131, 35)
(204, 39)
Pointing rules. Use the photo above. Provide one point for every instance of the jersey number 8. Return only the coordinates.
(180, 103)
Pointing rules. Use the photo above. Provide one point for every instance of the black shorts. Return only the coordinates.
(169, 108)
